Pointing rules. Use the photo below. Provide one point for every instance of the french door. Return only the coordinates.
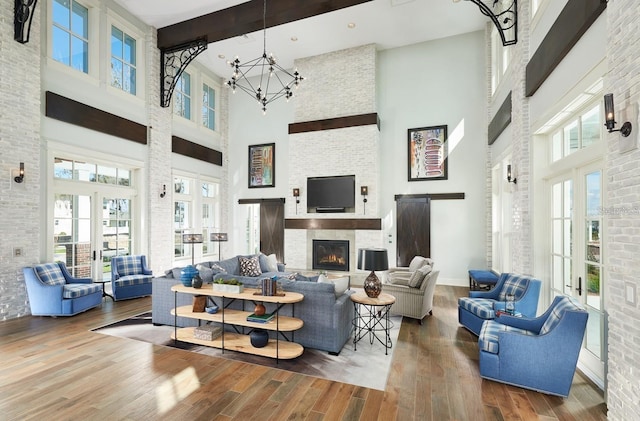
(89, 228)
(577, 256)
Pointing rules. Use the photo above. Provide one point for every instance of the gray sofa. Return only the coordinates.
(327, 318)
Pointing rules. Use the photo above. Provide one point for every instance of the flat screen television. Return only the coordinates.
(331, 193)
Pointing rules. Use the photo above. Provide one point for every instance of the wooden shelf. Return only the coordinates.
(241, 343)
(239, 318)
(248, 294)
(333, 223)
(276, 348)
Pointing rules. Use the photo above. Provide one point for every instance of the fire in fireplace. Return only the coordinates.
(331, 255)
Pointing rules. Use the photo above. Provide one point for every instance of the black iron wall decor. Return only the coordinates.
(173, 63)
(22, 16)
(504, 14)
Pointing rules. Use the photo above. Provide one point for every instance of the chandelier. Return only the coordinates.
(275, 82)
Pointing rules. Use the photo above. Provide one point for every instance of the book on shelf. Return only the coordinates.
(264, 318)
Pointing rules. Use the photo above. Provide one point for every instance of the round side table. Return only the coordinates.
(371, 318)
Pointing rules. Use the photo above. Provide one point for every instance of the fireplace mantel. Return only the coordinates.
(334, 224)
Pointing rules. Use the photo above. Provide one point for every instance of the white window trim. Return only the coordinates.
(216, 86)
(92, 76)
(115, 20)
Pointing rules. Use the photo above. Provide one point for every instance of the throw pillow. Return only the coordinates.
(399, 280)
(206, 274)
(341, 284)
(418, 276)
(268, 263)
(249, 266)
(216, 268)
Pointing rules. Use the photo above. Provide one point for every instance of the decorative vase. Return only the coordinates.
(259, 338)
(259, 310)
(197, 282)
(187, 274)
(372, 286)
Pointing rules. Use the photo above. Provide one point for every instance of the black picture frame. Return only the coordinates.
(427, 153)
(262, 165)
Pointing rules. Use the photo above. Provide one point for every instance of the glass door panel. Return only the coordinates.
(116, 232)
(593, 269)
(72, 233)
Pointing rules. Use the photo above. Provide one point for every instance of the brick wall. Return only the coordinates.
(19, 142)
(160, 236)
(522, 240)
(337, 84)
(623, 236)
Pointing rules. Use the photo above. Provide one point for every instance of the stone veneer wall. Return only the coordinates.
(159, 149)
(522, 239)
(623, 229)
(337, 84)
(19, 142)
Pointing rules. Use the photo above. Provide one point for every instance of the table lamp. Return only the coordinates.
(372, 259)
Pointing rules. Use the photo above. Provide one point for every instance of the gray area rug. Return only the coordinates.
(368, 366)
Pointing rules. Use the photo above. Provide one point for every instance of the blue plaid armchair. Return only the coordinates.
(54, 292)
(483, 305)
(130, 277)
(540, 353)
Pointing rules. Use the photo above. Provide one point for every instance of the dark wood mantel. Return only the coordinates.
(333, 224)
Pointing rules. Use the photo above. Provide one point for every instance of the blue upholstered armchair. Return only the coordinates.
(54, 292)
(130, 277)
(482, 305)
(540, 353)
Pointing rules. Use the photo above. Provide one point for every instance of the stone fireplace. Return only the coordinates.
(331, 255)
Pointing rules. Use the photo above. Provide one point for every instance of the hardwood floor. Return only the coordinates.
(58, 369)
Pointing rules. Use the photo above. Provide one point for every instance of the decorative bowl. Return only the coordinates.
(211, 310)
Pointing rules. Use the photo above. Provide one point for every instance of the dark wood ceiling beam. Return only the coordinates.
(245, 18)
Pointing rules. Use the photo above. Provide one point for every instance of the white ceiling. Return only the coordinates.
(386, 23)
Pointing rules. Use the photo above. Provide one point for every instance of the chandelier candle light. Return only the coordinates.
(270, 71)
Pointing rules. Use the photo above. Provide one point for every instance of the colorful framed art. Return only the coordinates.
(427, 153)
(262, 165)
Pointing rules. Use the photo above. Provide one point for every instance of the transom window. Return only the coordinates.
(86, 171)
(208, 107)
(123, 61)
(579, 133)
(182, 96)
(70, 34)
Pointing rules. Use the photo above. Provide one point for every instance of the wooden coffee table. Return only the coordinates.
(371, 318)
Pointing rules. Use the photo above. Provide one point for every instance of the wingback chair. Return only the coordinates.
(415, 302)
(130, 277)
(54, 292)
(540, 353)
(482, 305)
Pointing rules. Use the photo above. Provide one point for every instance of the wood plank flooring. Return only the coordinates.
(58, 369)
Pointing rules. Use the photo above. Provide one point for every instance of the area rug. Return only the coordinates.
(367, 366)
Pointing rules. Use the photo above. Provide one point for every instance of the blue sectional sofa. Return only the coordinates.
(327, 317)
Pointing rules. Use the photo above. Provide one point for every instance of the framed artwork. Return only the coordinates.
(427, 153)
(262, 165)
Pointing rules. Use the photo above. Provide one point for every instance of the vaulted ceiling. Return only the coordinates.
(386, 23)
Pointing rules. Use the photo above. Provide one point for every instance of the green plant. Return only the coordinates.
(232, 281)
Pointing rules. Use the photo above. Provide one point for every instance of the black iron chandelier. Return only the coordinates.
(275, 82)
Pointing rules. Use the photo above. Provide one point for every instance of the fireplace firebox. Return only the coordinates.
(331, 255)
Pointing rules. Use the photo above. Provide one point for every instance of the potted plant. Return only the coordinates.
(228, 285)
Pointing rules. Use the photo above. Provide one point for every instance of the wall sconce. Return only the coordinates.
(296, 194)
(22, 16)
(509, 179)
(164, 191)
(610, 118)
(20, 177)
(364, 191)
